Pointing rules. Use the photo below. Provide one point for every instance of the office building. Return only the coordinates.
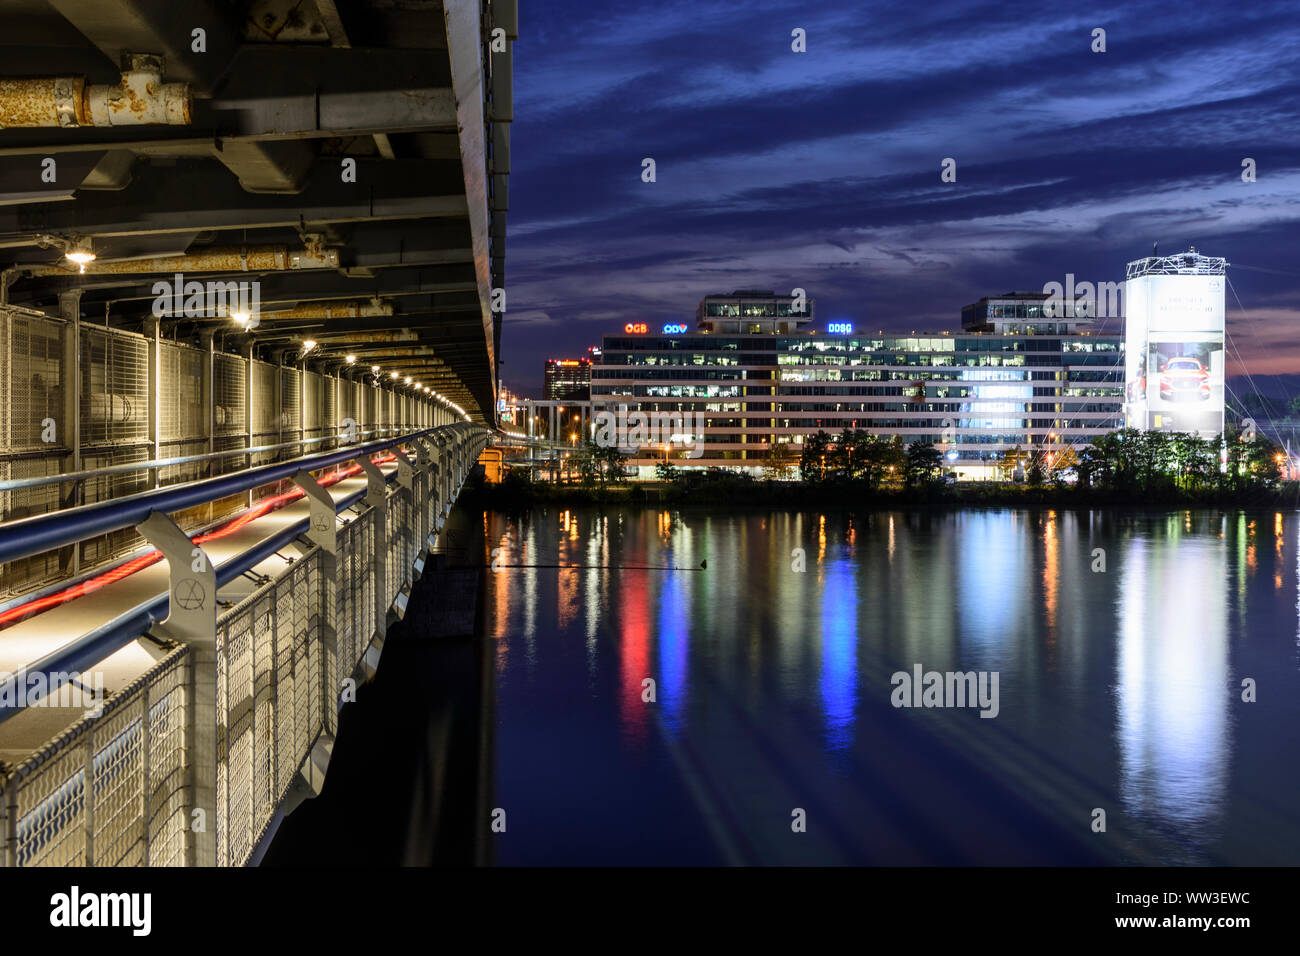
(762, 378)
(567, 379)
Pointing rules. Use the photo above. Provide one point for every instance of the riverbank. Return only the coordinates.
(738, 492)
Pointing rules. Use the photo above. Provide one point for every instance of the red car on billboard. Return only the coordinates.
(1184, 379)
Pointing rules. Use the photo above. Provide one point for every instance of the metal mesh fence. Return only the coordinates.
(347, 403)
(112, 789)
(311, 404)
(401, 540)
(32, 366)
(32, 433)
(40, 569)
(106, 487)
(229, 388)
(269, 708)
(182, 414)
(355, 605)
(112, 407)
(114, 387)
(329, 424)
(132, 811)
(290, 410)
(266, 410)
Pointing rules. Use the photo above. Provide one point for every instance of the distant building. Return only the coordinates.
(567, 379)
(748, 312)
(1017, 313)
(760, 378)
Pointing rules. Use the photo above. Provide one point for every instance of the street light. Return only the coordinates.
(80, 253)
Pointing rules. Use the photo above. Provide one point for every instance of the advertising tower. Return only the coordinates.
(1174, 343)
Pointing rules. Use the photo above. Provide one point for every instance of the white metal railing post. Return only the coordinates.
(428, 475)
(322, 532)
(443, 467)
(192, 620)
(377, 499)
(9, 815)
(406, 485)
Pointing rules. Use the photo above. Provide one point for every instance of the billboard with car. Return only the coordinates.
(1174, 359)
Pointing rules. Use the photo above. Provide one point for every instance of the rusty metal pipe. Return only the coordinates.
(333, 310)
(325, 338)
(223, 259)
(43, 101)
(422, 352)
(140, 98)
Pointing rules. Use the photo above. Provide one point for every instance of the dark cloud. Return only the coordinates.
(821, 170)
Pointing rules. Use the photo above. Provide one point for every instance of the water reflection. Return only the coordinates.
(1120, 683)
(1173, 693)
(839, 636)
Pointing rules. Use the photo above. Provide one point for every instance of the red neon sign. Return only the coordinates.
(635, 328)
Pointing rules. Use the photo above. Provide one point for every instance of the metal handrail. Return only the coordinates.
(41, 533)
(17, 484)
(112, 636)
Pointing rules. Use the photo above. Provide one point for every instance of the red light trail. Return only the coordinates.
(125, 570)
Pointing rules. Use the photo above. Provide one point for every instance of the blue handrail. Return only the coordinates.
(112, 636)
(41, 533)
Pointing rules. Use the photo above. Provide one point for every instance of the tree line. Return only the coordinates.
(1127, 460)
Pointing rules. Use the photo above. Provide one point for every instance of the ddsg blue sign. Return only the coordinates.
(674, 328)
(840, 328)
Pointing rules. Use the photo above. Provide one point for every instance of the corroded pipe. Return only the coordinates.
(365, 338)
(140, 98)
(222, 259)
(333, 310)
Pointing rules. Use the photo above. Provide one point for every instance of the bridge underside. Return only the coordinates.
(351, 158)
(248, 356)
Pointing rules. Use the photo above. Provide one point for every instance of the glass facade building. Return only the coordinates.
(976, 395)
(567, 379)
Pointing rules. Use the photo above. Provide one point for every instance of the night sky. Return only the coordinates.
(822, 170)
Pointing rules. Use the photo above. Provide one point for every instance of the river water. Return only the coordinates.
(1120, 642)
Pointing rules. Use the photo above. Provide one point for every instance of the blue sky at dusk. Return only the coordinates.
(822, 170)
